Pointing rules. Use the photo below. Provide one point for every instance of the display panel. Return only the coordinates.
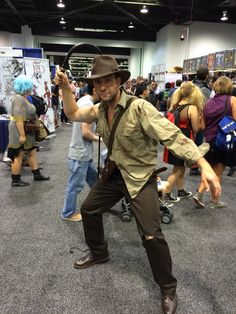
(219, 60)
(229, 59)
(211, 61)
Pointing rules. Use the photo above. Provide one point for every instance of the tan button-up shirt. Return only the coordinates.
(136, 139)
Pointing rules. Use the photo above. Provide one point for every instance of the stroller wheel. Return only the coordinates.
(125, 216)
(125, 205)
(166, 219)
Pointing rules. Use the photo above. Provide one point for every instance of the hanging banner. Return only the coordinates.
(38, 70)
(10, 68)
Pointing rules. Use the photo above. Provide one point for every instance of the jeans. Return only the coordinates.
(81, 172)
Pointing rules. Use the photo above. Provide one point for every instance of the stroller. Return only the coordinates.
(166, 212)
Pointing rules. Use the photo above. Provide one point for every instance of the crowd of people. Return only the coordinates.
(130, 116)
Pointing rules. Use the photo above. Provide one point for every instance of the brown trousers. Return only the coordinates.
(147, 215)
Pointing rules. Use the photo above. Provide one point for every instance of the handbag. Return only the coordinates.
(110, 166)
(42, 132)
(31, 126)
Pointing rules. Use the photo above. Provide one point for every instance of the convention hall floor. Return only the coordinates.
(36, 269)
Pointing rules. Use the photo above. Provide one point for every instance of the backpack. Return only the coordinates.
(166, 95)
(40, 105)
(174, 114)
(164, 100)
(226, 134)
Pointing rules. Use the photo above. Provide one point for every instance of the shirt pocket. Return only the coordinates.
(129, 137)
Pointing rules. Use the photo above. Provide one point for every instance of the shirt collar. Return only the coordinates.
(122, 101)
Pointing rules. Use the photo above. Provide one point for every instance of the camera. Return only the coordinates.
(181, 37)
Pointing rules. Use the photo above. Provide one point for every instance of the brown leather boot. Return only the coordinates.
(169, 304)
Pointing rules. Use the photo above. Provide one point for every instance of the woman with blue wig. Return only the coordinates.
(21, 142)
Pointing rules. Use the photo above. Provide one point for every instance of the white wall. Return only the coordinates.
(4, 39)
(211, 37)
(23, 40)
(149, 56)
(204, 38)
(135, 65)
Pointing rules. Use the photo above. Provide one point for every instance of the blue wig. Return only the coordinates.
(23, 85)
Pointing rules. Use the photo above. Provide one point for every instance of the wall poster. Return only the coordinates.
(186, 66)
(204, 61)
(229, 59)
(211, 61)
(192, 65)
(198, 63)
(219, 60)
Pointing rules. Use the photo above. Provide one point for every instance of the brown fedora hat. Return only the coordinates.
(104, 65)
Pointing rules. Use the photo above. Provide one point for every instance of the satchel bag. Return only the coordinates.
(31, 126)
(108, 171)
(42, 132)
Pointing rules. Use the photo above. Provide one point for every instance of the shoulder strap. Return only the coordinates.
(179, 108)
(115, 124)
(226, 103)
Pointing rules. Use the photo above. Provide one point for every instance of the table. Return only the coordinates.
(3, 135)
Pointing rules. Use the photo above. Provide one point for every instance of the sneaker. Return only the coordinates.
(197, 198)
(184, 194)
(171, 198)
(218, 204)
(75, 217)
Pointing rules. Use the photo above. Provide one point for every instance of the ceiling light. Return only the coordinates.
(144, 9)
(60, 4)
(62, 21)
(98, 30)
(224, 16)
(131, 25)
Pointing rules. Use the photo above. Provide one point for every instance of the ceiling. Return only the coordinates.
(112, 16)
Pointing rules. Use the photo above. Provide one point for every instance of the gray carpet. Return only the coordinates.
(36, 272)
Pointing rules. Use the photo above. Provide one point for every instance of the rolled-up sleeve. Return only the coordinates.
(161, 129)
